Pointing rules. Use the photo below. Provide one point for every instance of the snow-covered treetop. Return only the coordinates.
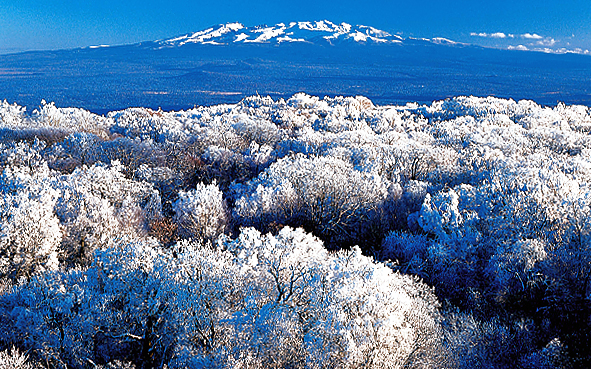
(484, 198)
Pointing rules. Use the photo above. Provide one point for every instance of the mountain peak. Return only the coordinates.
(309, 32)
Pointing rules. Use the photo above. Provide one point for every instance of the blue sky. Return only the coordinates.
(55, 24)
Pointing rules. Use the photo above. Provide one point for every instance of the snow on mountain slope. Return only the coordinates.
(208, 36)
(311, 32)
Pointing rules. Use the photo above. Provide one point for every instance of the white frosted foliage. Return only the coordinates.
(30, 234)
(285, 298)
(201, 212)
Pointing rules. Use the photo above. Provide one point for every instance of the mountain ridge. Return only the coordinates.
(304, 31)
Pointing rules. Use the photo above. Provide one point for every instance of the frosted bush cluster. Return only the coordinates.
(325, 193)
(201, 212)
(304, 233)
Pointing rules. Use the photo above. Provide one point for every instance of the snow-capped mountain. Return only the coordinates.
(306, 32)
(224, 63)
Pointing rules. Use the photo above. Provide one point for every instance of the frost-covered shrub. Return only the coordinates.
(302, 101)
(225, 166)
(24, 158)
(64, 318)
(514, 263)
(79, 211)
(201, 212)
(309, 308)
(260, 131)
(469, 342)
(41, 317)
(408, 250)
(146, 124)
(80, 148)
(70, 119)
(29, 233)
(257, 101)
(441, 217)
(11, 115)
(552, 355)
(98, 204)
(325, 194)
(132, 153)
(14, 359)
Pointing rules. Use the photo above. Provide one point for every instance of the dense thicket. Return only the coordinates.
(307, 233)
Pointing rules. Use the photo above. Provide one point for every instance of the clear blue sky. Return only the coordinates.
(54, 24)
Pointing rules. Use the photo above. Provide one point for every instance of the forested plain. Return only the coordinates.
(296, 233)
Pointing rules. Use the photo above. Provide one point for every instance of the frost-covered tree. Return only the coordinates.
(201, 212)
(255, 301)
(69, 318)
